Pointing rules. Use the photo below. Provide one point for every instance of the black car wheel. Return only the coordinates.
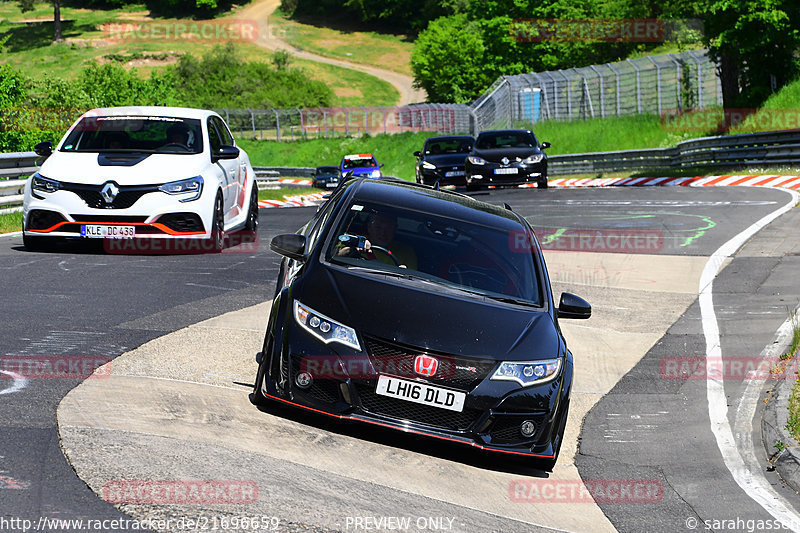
(258, 398)
(217, 241)
(542, 184)
(252, 213)
(472, 187)
(37, 244)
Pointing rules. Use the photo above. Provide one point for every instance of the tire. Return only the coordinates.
(37, 244)
(471, 187)
(542, 183)
(252, 213)
(257, 398)
(548, 464)
(217, 241)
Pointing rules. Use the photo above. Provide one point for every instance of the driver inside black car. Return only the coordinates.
(381, 245)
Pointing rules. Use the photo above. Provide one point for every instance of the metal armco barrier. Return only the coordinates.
(750, 149)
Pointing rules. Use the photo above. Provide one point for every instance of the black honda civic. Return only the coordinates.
(425, 311)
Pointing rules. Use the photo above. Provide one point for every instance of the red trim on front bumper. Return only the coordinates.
(156, 225)
(416, 432)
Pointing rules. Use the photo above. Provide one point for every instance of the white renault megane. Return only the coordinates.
(141, 173)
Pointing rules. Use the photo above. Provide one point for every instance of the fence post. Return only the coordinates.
(302, 125)
(252, 121)
(554, 114)
(277, 125)
(616, 74)
(658, 83)
(638, 87)
(602, 97)
(678, 78)
(699, 79)
(569, 94)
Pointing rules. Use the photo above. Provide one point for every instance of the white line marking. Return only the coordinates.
(752, 482)
(20, 382)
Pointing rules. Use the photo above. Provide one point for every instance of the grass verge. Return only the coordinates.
(10, 222)
(283, 192)
(793, 425)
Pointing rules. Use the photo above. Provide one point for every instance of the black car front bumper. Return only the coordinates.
(493, 410)
(505, 175)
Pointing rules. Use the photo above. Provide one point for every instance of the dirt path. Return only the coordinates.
(261, 10)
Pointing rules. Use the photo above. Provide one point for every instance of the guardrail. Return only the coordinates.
(749, 149)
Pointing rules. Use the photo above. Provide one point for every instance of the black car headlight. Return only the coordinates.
(428, 166)
(40, 183)
(191, 186)
(475, 160)
(323, 328)
(535, 158)
(528, 373)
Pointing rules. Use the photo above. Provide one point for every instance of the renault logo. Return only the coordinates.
(504, 160)
(109, 192)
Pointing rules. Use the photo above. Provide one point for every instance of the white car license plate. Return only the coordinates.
(332, 184)
(412, 391)
(94, 231)
(505, 170)
(453, 173)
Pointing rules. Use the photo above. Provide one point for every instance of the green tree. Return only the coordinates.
(754, 43)
(27, 5)
(448, 60)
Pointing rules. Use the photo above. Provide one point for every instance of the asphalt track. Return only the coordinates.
(81, 302)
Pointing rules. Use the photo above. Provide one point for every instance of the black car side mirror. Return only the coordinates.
(572, 306)
(290, 245)
(44, 149)
(545, 145)
(225, 151)
(417, 154)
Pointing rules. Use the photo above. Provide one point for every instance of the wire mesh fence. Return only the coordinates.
(659, 84)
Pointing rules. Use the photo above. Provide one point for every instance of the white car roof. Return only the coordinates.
(151, 111)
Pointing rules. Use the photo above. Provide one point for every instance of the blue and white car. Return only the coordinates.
(141, 173)
(361, 166)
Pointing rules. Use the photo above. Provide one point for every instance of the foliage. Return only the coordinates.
(12, 87)
(756, 42)
(222, 79)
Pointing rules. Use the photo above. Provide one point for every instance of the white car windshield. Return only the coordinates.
(143, 134)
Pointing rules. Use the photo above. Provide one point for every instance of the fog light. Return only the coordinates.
(528, 428)
(303, 380)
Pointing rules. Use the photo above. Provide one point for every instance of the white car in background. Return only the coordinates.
(141, 172)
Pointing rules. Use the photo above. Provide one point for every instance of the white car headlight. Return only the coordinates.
(193, 186)
(429, 166)
(535, 158)
(324, 328)
(475, 160)
(40, 183)
(375, 174)
(528, 373)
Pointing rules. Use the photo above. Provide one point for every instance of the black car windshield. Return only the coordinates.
(491, 141)
(492, 261)
(148, 134)
(447, 146)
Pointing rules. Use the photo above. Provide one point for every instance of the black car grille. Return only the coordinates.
(414, 412)
(125, 198)
(110, 219)
(457, 372)
(323, 388)
(506, 428)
